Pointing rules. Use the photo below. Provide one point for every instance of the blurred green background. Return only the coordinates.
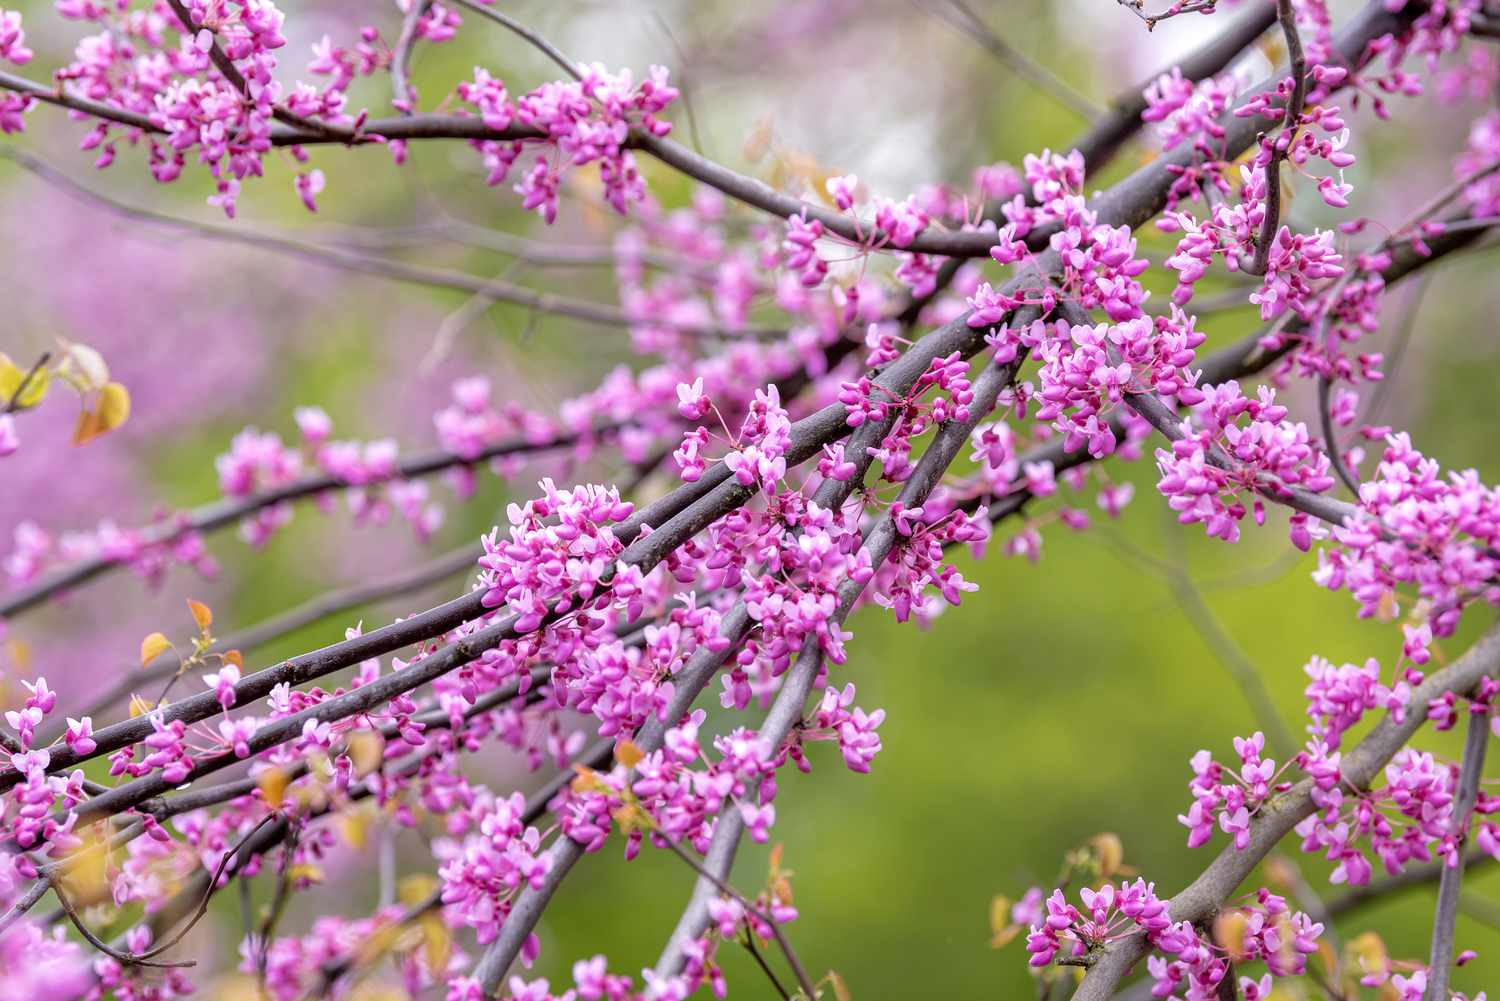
(1061, 700)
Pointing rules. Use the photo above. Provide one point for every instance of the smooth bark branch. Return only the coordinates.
(1411, 878)
(1445, 917)
(403, 96)
(1123, 119)
(1282, 144)
(1203, 898)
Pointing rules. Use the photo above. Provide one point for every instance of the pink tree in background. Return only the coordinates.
(841, 390)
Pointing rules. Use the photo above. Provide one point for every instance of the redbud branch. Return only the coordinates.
(119, 956)
(782, 942)
(1411, 878)
(535, 38)
(787, 710)
(405, 97)
(897, 379)
(1123, 119)
(1282, 144)
(236, 79)
(381, 267)
(1330, 440)
(1229, 653)
(1135, 200)
(1202, 899)
(1445, 917)
(63, 98)
(323, 606)
(229, 511)
(1137, 7)
(959, 16)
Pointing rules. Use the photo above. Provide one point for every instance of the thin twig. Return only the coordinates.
(782, 943)
(120, 956)
(959, 16)
(1330, 440)
(551, 51)
(1230, 656)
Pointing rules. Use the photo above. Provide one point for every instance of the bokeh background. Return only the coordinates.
(1062, 700)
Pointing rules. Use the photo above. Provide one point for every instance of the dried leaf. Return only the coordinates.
(1229, 933)
(84, 368)
(1111, 853)
(202, 614)
(758, 142)
(111, 410)
(235, 657)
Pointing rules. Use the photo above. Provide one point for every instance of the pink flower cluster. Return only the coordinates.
(1416, 528)
(1206, 469)
(35, 551)
(580, 122)
(1184, 964)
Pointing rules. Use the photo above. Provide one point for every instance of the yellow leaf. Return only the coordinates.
(114, 406)
(367, 751)
(436, 944)
(154, 646)
(12, 377)
(415, 889)
(272, 784)
(305, 871)
(138, 706)
(236, 658)
(1370, 950)
(1002, 936)
(999, 913)
(776, 852)
(632, 818)
(628, 753)
(840, 989)
(355, 826)
(202, 614)
(85, 874)
(19, 651)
